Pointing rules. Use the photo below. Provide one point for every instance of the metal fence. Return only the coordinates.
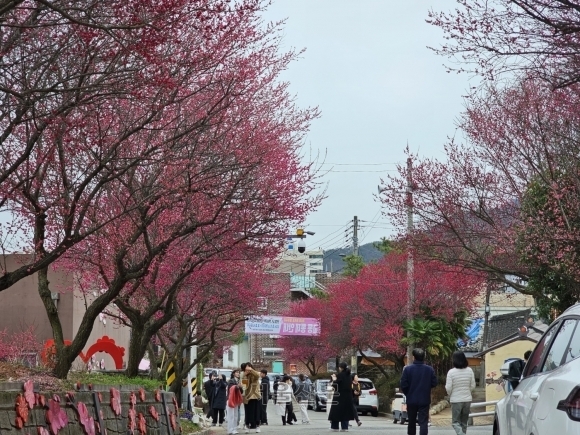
(483, 404)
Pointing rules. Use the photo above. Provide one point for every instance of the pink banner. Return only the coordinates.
(275, 325)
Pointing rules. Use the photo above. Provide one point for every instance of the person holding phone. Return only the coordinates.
(341, 410)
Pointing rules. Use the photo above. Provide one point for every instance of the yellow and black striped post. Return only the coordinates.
(170, 375)
(194, 386)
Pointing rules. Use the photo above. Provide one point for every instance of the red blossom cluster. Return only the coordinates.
(367, 311)
(17, 347)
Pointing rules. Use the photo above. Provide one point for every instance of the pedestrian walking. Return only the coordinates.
(416, 383)
(208, 387)
(252, 397)
(459, 385)
(234, 402)
(302, 394)
(341, 410)
(265, 390)
(356, 392)
(219, 400)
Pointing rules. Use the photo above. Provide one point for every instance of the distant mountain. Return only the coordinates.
(333, 260)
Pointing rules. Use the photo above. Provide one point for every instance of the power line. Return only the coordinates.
(384, 170)
(360, 164)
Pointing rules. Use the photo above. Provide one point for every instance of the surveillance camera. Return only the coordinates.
(301, 246)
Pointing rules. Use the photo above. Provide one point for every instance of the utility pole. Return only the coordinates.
(485, 331)
(355, 236)
(410, 262)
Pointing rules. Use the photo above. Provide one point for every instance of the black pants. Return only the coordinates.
(253, 411)
(290, 416)
(218, 412)
(264, 414)
(209, 410)
(416, 414)
(355, 412)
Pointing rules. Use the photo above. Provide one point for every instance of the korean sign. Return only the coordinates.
(275, 325)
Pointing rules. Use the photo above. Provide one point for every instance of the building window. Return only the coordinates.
(262, 304)
(230, 355)
(272, 351)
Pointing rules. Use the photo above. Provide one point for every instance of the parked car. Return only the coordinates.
(369, 399)
(319, 389)
(272, 376)
(312, 396)
(545, 393)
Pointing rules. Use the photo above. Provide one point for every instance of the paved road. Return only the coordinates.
(371, 426)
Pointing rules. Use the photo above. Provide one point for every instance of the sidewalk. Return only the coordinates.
(443, 418)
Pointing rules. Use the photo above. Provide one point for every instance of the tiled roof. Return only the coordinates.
(504, 325)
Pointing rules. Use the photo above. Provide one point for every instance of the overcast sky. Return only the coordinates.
(367, 67)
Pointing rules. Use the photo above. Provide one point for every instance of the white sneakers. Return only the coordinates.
(257, 430)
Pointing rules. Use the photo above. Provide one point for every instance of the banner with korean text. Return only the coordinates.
(276, 325)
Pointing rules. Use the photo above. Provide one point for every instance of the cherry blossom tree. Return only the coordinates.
(371, 308)
(314, 352)
(216, 182)
(211, 313)
(369, 311)
(538, 38)
(503, 202)
(78, 83)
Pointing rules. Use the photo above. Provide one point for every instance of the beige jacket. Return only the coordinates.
(252, 390)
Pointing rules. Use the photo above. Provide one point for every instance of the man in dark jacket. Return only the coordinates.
(265, 390)
(209, 388)
(416, 383)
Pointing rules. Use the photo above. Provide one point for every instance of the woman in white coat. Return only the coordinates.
(459, 385)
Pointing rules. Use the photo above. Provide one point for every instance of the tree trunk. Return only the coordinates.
(137, 349)
(153, 371)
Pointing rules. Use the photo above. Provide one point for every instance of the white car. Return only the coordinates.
(369, 399)
(545, 399)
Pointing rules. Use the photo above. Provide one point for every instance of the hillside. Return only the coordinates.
(333, 260)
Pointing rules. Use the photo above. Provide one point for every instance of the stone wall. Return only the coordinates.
(86, 411)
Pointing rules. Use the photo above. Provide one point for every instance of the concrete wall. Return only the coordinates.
(20, 305)
(495, 359)
(113, 424)
(103, 326)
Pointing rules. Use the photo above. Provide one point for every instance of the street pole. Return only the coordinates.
(485, 332)
(355, 236)
(410, 262)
